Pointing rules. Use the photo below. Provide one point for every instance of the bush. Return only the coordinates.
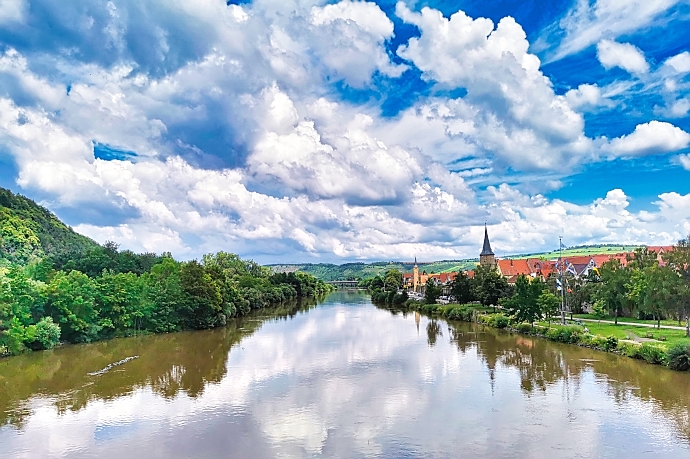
(652, 353)
(631, 350)
(47, 334)
(679, 357)
(524, 328)
(457, 313)
(567, 334)
(497, 320)
(599, 310)
(610, 344)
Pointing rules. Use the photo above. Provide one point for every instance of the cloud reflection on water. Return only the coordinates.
(345, 380)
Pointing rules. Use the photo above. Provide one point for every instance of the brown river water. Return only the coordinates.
(341, 379)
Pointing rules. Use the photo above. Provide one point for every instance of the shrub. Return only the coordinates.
(429, 308)
(599, 310)
(679, 357)
(540, 330)
(652, 353)
(611, 344)
(566, 334)
(458, 313)
(524, 328)
(631, 350)
(499, 321)
(47, 334)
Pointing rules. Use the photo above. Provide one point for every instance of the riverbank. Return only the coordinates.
(673, 353)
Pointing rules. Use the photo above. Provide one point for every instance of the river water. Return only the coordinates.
(343, 379)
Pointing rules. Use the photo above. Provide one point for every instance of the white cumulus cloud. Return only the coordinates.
(650, 138)
(624, 55)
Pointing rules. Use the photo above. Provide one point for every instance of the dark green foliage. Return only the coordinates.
(490, 286)
(431, 291)
(462, 288)
(458, 312)
(565, 334)
(679, 357)
(47, 335)
(524, 305)
(496, 320)
(70, 305)
(29, 231)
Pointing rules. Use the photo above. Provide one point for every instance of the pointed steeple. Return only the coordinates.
(415, 260)
(486, 250)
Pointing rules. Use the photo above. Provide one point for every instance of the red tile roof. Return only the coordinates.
(510, 268)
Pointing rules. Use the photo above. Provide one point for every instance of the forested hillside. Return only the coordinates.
(29, 232)
(58, 286)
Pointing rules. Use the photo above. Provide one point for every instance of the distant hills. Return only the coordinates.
(355, 271)
(29, 231)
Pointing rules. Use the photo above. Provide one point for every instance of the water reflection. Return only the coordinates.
(168, 364)
(344, 380)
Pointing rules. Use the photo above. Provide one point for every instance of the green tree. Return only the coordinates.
(462, 288)
(641, 258)
(549, 304)
(120, 302)
(431, 291)
(202, 296)
(393, 280)
(656, 290)
(71, 301)
(490, 285)
(678, 260)
(164, 298)
(524, 305)
(614, 290)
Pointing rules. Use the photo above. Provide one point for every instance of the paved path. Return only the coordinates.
(635, 324)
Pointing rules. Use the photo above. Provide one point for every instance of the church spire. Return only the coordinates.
(486, 250)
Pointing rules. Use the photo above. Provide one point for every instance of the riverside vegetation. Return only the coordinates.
(642, 289)
(58, 286)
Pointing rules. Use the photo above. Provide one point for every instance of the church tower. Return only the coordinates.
(487, 257)
(415, 275)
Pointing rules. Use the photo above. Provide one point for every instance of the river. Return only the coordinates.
(343, 379)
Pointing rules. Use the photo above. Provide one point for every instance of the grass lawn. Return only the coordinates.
(673, 323)
(625, 331)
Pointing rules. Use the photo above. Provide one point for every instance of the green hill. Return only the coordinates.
(29, 231)
(355, 271)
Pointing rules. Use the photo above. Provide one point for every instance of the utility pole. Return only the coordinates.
(560, 275)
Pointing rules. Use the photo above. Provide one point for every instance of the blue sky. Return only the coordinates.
(299, 130)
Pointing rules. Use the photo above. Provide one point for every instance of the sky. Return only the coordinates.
(322, 131)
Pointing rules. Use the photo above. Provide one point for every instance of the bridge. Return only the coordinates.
(344, 283)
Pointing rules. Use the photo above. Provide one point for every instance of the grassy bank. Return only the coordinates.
(630, 320)
(674, 352)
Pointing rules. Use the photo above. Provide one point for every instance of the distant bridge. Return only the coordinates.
(342, 283)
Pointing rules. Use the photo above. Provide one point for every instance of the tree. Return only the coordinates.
(549, 304)
(524, 305)
(641, 258)
(432, 291)
(614, 290)
(71, 301)
(678, 260)
(462, 288)
(203, 300)
(490, 285)
(393, 280)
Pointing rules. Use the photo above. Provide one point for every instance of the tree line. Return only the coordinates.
(643, 288)
(103, 292)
